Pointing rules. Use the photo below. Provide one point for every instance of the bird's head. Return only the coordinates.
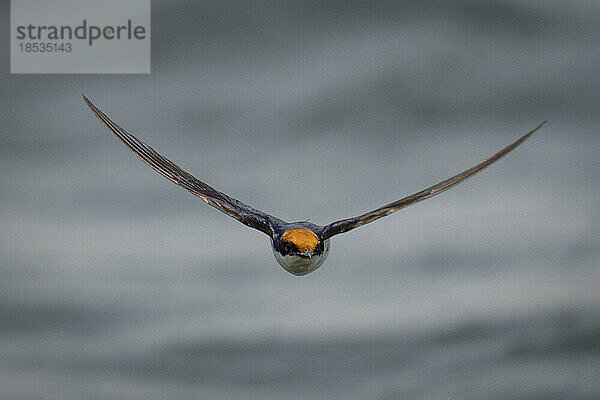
(300, 251)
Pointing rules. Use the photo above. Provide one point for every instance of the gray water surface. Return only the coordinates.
(116, 284)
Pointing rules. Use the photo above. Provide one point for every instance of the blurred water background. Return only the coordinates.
(116, 284)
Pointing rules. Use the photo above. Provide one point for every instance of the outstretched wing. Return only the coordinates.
(234, 208)
(348, 224)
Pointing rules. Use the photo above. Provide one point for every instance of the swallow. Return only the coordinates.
(299, 247)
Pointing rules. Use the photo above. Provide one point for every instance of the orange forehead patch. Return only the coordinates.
(304, 239)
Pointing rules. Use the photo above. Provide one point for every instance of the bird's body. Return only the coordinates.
(299, 247)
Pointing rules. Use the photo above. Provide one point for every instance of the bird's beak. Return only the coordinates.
(306, 253)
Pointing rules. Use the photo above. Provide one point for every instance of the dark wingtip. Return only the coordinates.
(92, 107)
(540, 125)
(88, 102)
(531, 132)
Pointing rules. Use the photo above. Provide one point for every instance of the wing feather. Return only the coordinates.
(345, 225)
(234, 208)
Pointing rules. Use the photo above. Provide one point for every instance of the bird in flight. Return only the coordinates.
(300, 247)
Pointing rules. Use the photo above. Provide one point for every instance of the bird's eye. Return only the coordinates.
(288, 246)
